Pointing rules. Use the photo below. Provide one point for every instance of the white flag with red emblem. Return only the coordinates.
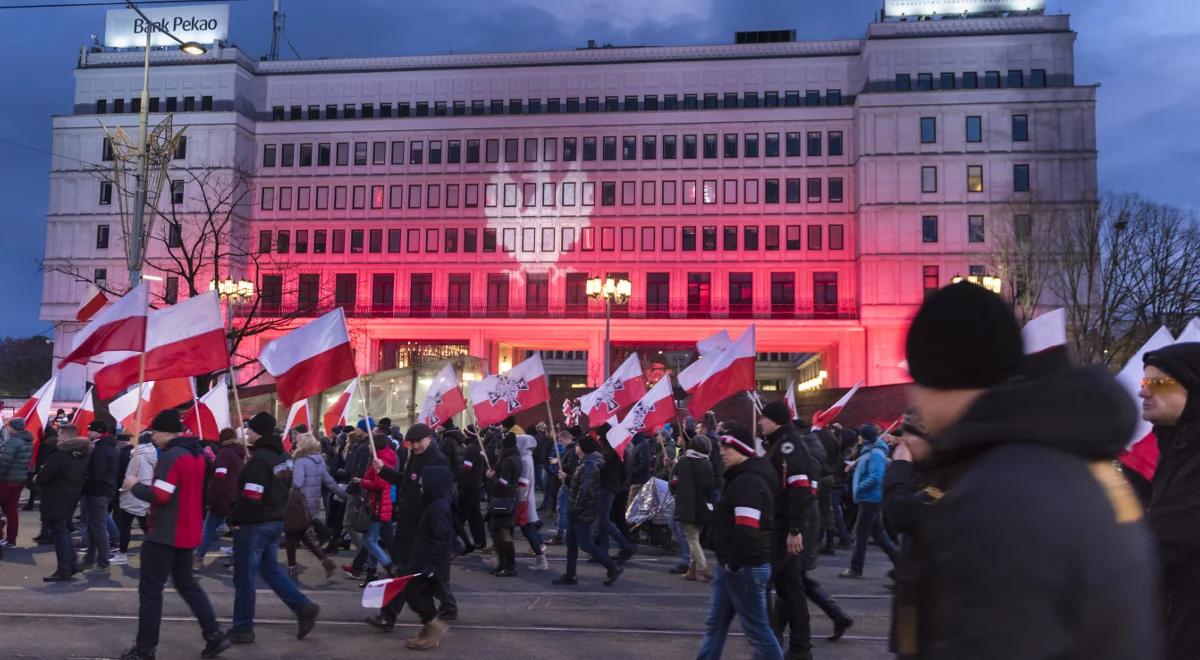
(311, 358)
(120, 326)
(36, 413)
(1141, 454)
(730, 371)
(335, 415)
(517, 390)
(619, 391)
(655, 408)
(86, 413)
(826, 417)
(93, 301)
(210, 413)
(443, 400)
(790, 399)
(571, 412)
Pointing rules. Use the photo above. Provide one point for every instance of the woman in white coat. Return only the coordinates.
(527, 517)
(142, 461)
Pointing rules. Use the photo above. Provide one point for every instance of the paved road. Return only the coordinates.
(647, 614)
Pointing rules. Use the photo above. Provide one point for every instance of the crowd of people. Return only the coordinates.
(1010, 532)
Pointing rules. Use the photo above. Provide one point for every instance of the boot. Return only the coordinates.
(429, 637)
(704, 575)
(330, 567)
(540, 563)
(214, 644)
(827, 549)
(690, 575)
(840, 624)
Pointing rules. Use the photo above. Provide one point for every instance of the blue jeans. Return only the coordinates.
(579, 535)
(744, 593)
(685, 553)
(371, 543)
(212, 522)
(534, 537)
(870, 523)
(605, 527)
(256, 552)
(564, 493)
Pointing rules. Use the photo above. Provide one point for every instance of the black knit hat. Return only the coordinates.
(417, 433)
(739, 440)
(777, 411)
(1179, 361)
(167, 421)
(509, 441)
(588, 444)
(963, 337)
(99, 426)
(263, 423)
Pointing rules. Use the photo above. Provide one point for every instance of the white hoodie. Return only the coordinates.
(141, 465)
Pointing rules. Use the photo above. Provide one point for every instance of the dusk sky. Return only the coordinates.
(1144, 55)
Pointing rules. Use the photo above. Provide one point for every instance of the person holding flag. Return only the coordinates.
(584, 508)
(222, 488)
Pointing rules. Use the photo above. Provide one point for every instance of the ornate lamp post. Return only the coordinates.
(613, 292)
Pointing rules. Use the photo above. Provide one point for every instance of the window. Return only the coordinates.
(825, 293)
(668, 239)
(268, 159)
(668, 192)
(343, 154)
(924, 81)
(306, 155)
(1020, 128)
(420, 294)
(345, 290)
(783, 293)
(835, 189)
(1037, 78)
(339, 241)
(1016, 78)
(356, 241)
(267, 201)
(189, 104)
(770, 191)
(946, 80)
(454, 151)
(974, 129)
(395, 240)
(308, 290)
(648, 235)
(710, 145)
(1023, 228)
(302, 241)
(383, 292)
(688, 239)
(470, 240)
(272, 290)
(547, 239)
(928, 130)
(750, 194)
(689, 147)
(814, 190)
(689, 192)
(375, 241)
(991, 79)
(459, 300)
(750, 238)
(491, 151)
(709, 192)
(497, 292)
(928, 179)
(974, 178)
(489, 240)
(729, 239)
(570, 149)
(177, 192)
(658, 293)
(610, 148)
(814, 143)
(751, 145)
(283, 241)
(771, 238)
(793, 145)
(331, 112)
(106, 192)
(629, 147)
(171, 290)
(699, 292)
(101, 237)
(319, 241)
(323, 154)
(741, 294)
(930, 280)
(837, 237)
(772, 146)
(416, 153)
(710, 101)
(771, 100)
(576, 294)
(835, 143)
(812, 98)
(628, 193)
(181, 148)
(730, 194)
(903, 82)
(264, 241)
(731, 145)
(1020, 178)
(360, 153)
(589, 148)
(975, 229)
(650, 102)
(929, 229)
(537, 292)
(792, 237)
(709, 239)
(814, 237)
(472, 151)
(510, 150)
(173, 104)
(970, 80)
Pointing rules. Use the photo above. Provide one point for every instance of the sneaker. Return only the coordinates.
(504, 572)
(214, 644)
(850, 573)
(351, 572)
(565, 580)
(119, 559)
(240, 636)
(540, 563)
(307, 619)
(613, 575)
(227, 550)
(137, 654)
(555, 540)
(625, 555)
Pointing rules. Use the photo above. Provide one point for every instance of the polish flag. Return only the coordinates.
(210, 413)
(182, 340)
(826, 417)
(86, 413)
(655, 408)
(311, 358)
(517, 390)
(379, 593)
(746, 516)
(1141, 454)
(731, 371)
(336, 413)
(93, 301)
(443, 400)
(124, 409)
(36, 413)
(790, 399)
(714, 344)
(618, 437)
(119, 327)
(708, 349)
(166, 393)
(1045, 340)
(619, 391)
(297, 415)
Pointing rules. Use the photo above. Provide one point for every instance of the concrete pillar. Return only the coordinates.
(852, 359)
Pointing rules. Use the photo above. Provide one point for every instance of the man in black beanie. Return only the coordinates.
(1032, 545)
(583, 510)
(1171, 401)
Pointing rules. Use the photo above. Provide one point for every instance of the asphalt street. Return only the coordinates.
(649, 613)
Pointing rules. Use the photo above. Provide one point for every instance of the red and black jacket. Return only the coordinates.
(176, 495)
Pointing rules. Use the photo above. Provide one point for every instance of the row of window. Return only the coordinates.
(687, 238)
(569, 193)
(631, 103)
(1016, 78)
(711, 145)
(176, 189)
(106, 149)
(167, 104)
(1021, 180)
(973, 128)
(739, 290)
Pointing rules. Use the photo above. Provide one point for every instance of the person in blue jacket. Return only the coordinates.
(868, 494)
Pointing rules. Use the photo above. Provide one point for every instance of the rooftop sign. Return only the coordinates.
(898, 8)
(204, 24)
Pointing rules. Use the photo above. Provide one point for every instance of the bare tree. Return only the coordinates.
(1020, 237)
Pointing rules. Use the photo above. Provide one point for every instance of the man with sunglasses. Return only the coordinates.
(1170, 396)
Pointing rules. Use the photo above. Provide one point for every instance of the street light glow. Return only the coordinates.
(193, 48)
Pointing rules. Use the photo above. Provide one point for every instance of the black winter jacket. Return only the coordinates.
(692, 482)
(583, 502)
(62, 477)
(612, 475)
(263, 485)
(103, 463)
(795, 503)
(407, 507)
(473, 470)
(741, 522)
(434, 528)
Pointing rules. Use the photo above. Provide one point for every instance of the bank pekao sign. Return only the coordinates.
(898, 8)
(204, 24)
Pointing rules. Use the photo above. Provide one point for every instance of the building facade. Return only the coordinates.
(458, 203)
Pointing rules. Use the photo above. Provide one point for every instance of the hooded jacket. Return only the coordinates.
(102, 473)
(61, 478)
(379, 490)
(1037, 549)
(473, 470)
(741, 522)
(15, 455)
(584, 499)
(868, 472)
(176, 496)
(222, 487)
(1175, 503)
(407, 477)
(142, 460)
(525, 488)
(263, 484)
(435, 527)
(453, 446)
(692, 482)
(795, 505)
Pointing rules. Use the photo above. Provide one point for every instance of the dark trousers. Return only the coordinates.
(10, 498)
(468, 507)
(823, 600)
(125, 527)
(870, 524)
(579, 535)
(1183, 612)
(60, 533)
(335, 520)
(791, 605)
(95, 509)
(617, 513)
(158, 562)
(293, 539)
(553, 483)
(605, 525)
(420, 595)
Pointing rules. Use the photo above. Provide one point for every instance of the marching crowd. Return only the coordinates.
(1011, 533)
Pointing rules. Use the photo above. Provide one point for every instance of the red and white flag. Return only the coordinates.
(618, 437)
(311, 358)
(443, 400)
(790, 399)
(210, 413)
(36, 413)
(826, 417)
(1141, 454)
(731, 371)
(571, 412)
(620, 390)
(120, 326)
(335, 415)
(124, 409)
(708, 349)
(86, 413)
(517, 390)
(379, 593)
(93, 301)
(714, 344)
(1045, 332)
(655, 408)
(297, 415)
(182, 340)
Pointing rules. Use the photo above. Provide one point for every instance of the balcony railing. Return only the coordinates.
(804, 310)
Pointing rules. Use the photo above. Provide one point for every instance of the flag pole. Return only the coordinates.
(370, 422)
(137, 415)
(478, 438)
(550, 414)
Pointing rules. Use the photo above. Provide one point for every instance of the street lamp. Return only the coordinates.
(613, 292)
(232, 293)
(992, 283)
(136, 250)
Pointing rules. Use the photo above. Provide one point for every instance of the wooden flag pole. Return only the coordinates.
(137, 415)
(479, 438)
(550, 414)
(370, 422)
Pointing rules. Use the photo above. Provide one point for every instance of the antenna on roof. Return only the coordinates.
(277, 18)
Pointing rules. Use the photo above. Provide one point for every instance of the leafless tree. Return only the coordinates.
(1020, 238)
